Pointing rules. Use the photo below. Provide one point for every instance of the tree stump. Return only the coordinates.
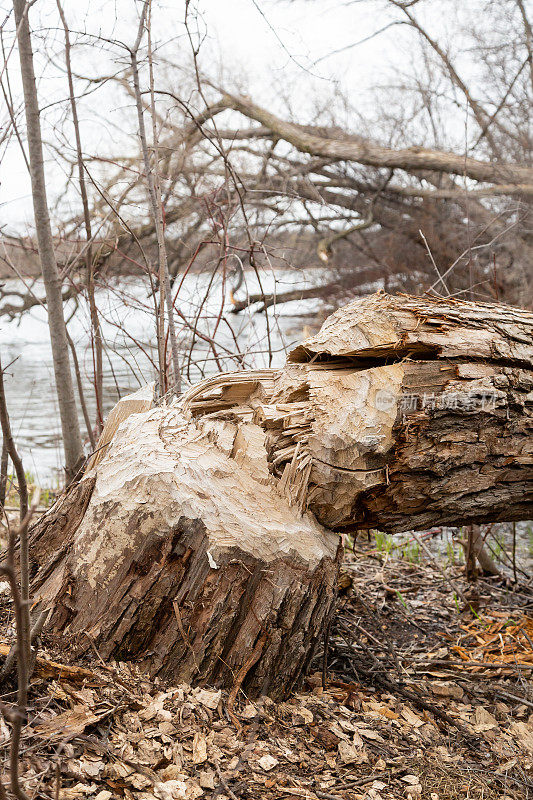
(200, 539)
(188, 559)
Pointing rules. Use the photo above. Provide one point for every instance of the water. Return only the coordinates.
(240, 341)
(128, 328)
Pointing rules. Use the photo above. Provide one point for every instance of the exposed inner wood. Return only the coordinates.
(395, 327)
(187, 555)
(202, 540)
(405, 412)
(405, 446)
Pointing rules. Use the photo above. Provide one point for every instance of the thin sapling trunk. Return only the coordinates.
(56, 321)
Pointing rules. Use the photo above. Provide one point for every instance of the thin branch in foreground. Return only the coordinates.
(17, 715)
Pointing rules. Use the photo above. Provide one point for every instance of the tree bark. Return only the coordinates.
(56, 321)
(186, 558)
(201, 540)
(403, 413)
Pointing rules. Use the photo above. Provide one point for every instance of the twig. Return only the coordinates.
(446, 577)
(154, 192)
(325, 656)
(381, 676)
(514, 553)
(515, 697)
(21, 604)
(224, 783)
(12, 450)
(35, 632)
(81, 393)
(241, 675)
(3, 472)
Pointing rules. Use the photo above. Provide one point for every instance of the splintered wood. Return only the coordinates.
(401, 413)
(406, 412)
(500, 638)
(198, 539)
(227, 391)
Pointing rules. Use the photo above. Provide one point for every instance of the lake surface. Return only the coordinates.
(128, 326)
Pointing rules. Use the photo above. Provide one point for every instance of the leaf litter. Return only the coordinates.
(417, 698)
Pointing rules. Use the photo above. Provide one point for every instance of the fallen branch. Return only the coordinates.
(275, 299)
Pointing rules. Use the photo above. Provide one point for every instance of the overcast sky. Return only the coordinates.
(277, 51)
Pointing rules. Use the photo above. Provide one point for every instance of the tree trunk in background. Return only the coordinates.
(476, 551)
(96, 332)
(470, 554)
(56, 321)
(192, 543)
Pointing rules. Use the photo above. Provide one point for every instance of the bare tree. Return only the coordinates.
(394, 202)
(89, 264)
(152, 177)
(398, 201)
(58, 335)
(20, 592)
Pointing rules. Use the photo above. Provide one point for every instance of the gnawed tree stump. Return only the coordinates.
(185, 557)
(201, 542)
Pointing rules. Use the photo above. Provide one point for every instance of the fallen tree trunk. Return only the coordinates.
(403, 413)
(201, 541)
(266, 301)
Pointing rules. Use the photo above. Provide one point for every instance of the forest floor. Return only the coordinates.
(426, 693)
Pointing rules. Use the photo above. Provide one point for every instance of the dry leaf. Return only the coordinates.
(172, 773)
(368, 733)
(207, 698)
(207, 779)
(307, 715)
(152, 709)
(4, 732)
(268, 762)
(74, 792)
(199, 748)
(68, 724)
(523, 732)
(411, 718)
(348, 752)
(483, 720)
(388, 713)
(357, 741)
(139, 781)
(346, 725)
(445, 689)
(91, 767)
